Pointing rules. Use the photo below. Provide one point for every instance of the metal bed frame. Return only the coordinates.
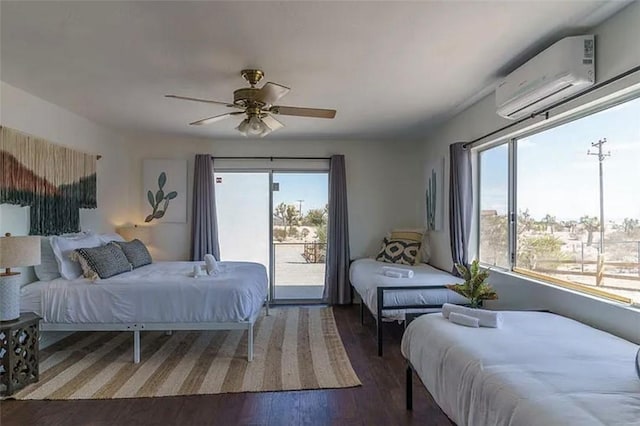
(381, 307)
(136, 328)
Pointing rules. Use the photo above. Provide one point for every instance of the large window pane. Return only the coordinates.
(559, 232)
(494, 226)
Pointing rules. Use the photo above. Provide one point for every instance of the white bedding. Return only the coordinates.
(538, 369)
(157, 293)
(366, 275)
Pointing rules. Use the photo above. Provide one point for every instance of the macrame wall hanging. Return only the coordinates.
(54, 181)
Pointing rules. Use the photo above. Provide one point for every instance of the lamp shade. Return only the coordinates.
(19, 251)
(129, 233)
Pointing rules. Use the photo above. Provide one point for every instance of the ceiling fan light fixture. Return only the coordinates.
(256, 126)
(243, 127)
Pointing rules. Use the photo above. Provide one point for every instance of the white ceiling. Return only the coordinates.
(391, 69)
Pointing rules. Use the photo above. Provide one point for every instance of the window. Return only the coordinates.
(494, 177)
(576, 205)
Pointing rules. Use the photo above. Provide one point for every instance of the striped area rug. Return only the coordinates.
(295, 348)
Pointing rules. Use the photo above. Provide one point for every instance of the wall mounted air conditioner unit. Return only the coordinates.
(565, 68)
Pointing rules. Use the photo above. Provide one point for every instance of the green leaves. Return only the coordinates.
(475, 288)
(159, 198)
(162, 179)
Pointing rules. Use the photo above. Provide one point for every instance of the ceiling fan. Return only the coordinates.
(258, 104)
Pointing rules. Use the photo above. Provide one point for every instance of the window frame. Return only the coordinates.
(604, 103)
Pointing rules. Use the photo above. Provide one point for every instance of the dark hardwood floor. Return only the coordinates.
(379, 401)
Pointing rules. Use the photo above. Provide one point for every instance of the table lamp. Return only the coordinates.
(15, 252)
(129, 233)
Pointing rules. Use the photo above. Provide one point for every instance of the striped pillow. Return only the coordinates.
(101, 262)
(398, 251)
(135, 251)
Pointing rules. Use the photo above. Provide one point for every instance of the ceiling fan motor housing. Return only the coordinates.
(246, 97)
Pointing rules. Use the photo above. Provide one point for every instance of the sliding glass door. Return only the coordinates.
(278, 219)
(242, 200)
(299, 235)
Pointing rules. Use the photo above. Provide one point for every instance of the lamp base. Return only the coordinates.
(9, 298)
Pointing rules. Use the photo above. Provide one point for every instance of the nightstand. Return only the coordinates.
(19, 352)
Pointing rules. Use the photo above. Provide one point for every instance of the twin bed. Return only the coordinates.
(390, 299)
(160, 296)
(537, 369)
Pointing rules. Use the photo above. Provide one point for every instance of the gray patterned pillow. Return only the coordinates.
(135, 251)
(102, 262)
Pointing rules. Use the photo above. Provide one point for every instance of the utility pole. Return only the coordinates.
(601, 157)
(300, 204)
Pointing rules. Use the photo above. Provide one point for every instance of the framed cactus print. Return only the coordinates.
(434, 195)
(164, 187)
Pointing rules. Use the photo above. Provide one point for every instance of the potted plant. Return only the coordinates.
(475, 288)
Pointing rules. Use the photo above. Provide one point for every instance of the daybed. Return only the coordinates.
(158, 296)
(389, 299)
(537, 369)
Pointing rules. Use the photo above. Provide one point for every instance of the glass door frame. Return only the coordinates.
(271, 300)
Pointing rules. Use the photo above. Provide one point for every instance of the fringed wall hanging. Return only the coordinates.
(54, 181)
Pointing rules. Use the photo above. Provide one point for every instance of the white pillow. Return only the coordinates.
(64, 246)
(110, 236)
(47, 270)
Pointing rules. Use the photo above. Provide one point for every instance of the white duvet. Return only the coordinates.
(367, 274)
(538, 369)
(156, 293)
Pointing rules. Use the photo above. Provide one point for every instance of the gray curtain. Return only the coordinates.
(460, 203)
(337, 290)
(204, 223)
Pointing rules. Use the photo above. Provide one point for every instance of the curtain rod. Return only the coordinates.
(545, 111)
(270, 158)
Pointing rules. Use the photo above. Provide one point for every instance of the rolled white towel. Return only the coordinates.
(489, 319)
(404, 273)
(463, 319)
(393, 274)
(213, 267)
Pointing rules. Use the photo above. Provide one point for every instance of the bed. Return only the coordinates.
(160, 296)
(389, 299)
(537, 369)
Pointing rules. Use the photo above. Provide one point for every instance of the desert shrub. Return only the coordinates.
(293, 232)
(279, 235)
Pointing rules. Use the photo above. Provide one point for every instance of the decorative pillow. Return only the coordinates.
(110, 236)
(102, 262)
(398, 251)
(136, 252)
(63, 247)
(415, 235)
(47, 270)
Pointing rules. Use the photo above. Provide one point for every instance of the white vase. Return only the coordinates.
(9, 298)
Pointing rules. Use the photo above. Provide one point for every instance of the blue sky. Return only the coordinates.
(556, 176)
(311, 187)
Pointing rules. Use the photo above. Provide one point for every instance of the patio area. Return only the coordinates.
(295, 277)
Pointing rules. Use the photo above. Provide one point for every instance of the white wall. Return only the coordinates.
(617, 51)
(381, 184)
(22, 111)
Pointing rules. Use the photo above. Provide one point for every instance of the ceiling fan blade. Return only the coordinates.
(271, 92)
(271, 122)
(207, 101)
(215, 118)
(303, 112)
